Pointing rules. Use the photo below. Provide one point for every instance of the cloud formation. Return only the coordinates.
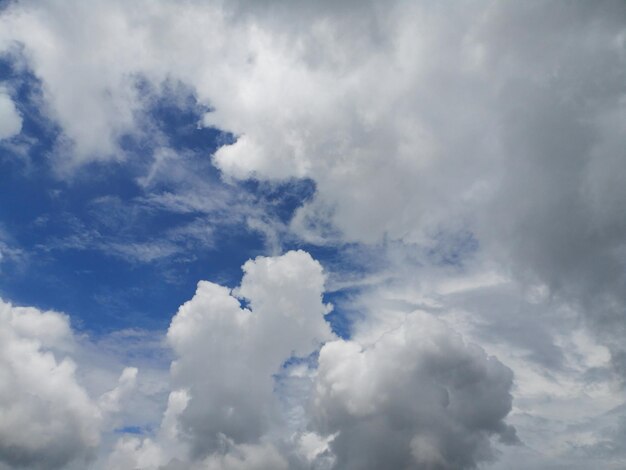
(455, 139)
(456, 115)
(48, 420)
(417, 397)
(227, 355)
(51, 419)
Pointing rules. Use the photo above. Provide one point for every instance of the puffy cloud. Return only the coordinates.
(47, 418)
(111, 401)
(10, 119)
(564, 386)
(223, 411)
(418, 397)
(227, 355)
(52, 409)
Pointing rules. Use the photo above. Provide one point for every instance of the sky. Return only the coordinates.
(252, 235)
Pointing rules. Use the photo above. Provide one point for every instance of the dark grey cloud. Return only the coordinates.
(556, 216)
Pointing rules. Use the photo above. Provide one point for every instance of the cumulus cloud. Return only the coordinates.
(53, 415)
(563, 385)
(418, 397)
(48, 420)
(227, 354)
(447, 111)
(223, 412)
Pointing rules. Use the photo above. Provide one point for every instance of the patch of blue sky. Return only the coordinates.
(136, 430)
(95, 246)
(349, 266)
(281, 199)
(115, 253)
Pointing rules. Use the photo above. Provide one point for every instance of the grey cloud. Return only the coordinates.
(419, 397)
(556, 217)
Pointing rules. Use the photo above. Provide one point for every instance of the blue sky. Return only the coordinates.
(312, 235)
(62, 229)
(59, 225)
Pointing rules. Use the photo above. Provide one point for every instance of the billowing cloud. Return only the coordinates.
(454, 114)
(227, 355)
(417, 397)
(223, 411)
(48, 420)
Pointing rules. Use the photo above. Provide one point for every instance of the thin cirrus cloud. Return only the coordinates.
(466, 158)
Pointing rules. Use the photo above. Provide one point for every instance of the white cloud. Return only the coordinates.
(10, 119)
(418, 396)
(568, 402)
(246, 457)
(453, 114)
(226, 355)
(223, 411)
(110, 402)
(48, 420)
(60, 400)
(440, 108)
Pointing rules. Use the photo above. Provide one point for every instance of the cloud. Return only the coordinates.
(48, 420)
(111, 401)
(453, 113)
(222, 348)
(563, 382)
(10, 119)
(246, 457)
(418, 397)
(60, 399)
(223, 411)
(417, 122)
